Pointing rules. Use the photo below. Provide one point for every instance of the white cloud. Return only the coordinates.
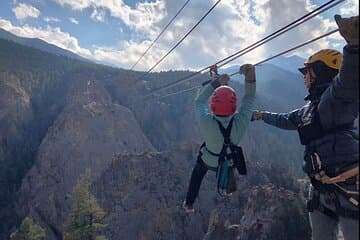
(23, 11)
(51, 35)
(350, 8)
(98, 15)
(51, 19)
(123, 54)
(141, 18)
(73, 20)
(230, 27)
(76, 4)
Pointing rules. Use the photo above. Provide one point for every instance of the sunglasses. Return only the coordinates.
(304, 70)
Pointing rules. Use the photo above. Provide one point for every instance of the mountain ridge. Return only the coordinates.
(40, 45)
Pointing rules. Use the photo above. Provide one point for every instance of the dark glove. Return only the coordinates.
(220, 80)
(224, 79)
(256, 115)
(213, 71)
(249, 72)
(349, 29)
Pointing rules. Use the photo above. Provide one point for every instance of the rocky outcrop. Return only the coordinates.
(87, 134)
(274, 213)
(143, 193)
(16, 115)
(270, 213)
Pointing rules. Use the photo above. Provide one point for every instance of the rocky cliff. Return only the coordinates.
(143, 194)
(270, 213)
(16, 114)
(88, 132)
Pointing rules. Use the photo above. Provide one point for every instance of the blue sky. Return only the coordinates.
(117, 32)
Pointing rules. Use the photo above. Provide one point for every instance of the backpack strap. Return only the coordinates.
(226, 132)
(226, 135)
(236, 154)
(222, 180)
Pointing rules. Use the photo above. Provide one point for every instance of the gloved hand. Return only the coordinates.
(249, 72)
(349, 29)
(224, 79)
(256, 115)
(213, 70)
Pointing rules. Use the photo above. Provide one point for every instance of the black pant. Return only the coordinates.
(197, 176)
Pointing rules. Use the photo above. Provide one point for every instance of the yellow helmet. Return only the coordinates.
(329, 57)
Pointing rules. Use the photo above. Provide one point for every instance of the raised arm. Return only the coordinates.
(202, 112)
(245, 108)
(346, 83)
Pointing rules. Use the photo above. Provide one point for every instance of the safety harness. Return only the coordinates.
(309, 130)
(230, 156)
(330, 185)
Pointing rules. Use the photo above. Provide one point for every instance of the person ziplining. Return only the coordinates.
(222, 126)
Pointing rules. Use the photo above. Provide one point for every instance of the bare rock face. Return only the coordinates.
(143, 193)
(16, 114)
(87, 134)
(218, 229)
(271, 213)
(274, 213)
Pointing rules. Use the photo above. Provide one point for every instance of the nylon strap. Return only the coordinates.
(222, 156)
(225, 132)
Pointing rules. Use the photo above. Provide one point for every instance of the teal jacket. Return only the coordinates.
(209, 127)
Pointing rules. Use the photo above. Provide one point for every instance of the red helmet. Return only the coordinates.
(223, 101)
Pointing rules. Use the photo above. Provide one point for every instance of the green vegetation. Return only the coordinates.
(28, 230)
(86, 215)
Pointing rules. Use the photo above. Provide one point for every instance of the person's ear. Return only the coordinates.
(312, 74)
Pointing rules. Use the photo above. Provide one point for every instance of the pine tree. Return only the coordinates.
(86, 215)
(28, 230)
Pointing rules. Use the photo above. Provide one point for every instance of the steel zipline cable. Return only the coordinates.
(293, 48)
(179, 42)
(258, 63)
(167, 25)
(278, 34)
(251, 47)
